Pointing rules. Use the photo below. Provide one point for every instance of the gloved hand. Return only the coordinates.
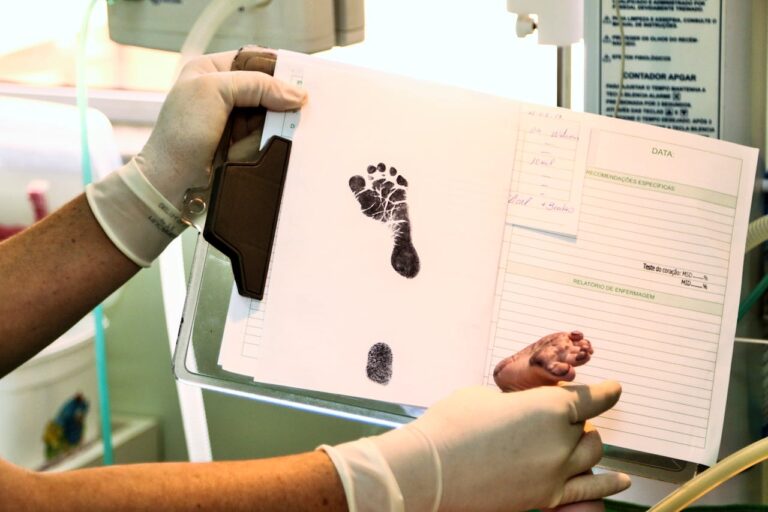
(480, 449)
(138, 206)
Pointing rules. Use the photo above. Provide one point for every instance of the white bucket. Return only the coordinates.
(33, 394)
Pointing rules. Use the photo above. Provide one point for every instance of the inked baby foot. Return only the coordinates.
(382, 197)
(548, 361)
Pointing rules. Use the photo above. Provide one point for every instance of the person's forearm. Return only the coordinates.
(51, 275)
(293, 483)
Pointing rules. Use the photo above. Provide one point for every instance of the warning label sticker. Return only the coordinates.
(665, 68)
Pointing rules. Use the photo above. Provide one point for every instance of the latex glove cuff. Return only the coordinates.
(396, 471)
(133, 214)
(369, 484)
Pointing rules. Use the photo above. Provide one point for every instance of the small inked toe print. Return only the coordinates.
(381, 195)
(379, 367)
(548, 361)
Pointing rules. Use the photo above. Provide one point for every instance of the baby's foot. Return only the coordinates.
(382, 197)
(546, 362)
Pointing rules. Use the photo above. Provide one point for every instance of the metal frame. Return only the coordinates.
(199, 341)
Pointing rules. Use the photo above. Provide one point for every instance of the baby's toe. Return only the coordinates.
(356, 183)
(561, 370)
(585, 346)
(580, 354)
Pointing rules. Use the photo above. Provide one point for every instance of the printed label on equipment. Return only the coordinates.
(667, 71)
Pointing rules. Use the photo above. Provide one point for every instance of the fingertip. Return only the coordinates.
(616, 482)
(294, 97)
(593, 400)
(610, 384)
(624, 482)
(303, 97)
(588, 487)
(611, 389)
(254, 88)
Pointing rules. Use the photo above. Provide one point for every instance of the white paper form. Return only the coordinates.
(652, 279)
(549, 169)
(334, 292)
(242, 332)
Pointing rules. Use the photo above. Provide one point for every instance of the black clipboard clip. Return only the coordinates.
(242, 199)
(242, 214)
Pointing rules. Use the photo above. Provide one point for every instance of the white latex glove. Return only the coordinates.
(139, 205)
(481, 449)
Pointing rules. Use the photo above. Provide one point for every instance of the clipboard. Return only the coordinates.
(246, 183)
(225, 255)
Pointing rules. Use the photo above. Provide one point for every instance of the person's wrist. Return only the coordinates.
(414, 461)
(395, 471)
(162, 173)
(369, 484)
(134, 215)
(165, 213)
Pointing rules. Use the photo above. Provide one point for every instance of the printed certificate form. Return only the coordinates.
(652, 277)
(511, 221)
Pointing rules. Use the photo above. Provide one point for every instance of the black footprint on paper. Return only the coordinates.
(382, 197)
(379, 367)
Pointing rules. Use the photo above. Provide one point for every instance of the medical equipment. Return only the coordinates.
(303, 25)
(557, 23)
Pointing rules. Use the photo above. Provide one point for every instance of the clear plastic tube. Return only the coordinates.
(757, 232)
(725, 469)
(98, 312)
